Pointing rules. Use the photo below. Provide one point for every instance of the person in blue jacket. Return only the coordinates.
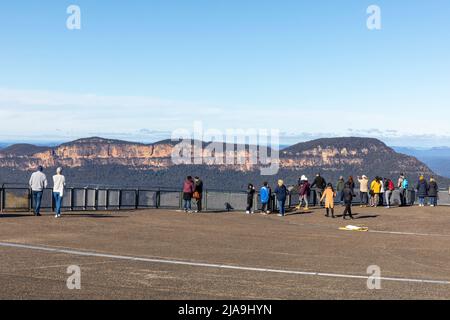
(281, 192)
(264, 194)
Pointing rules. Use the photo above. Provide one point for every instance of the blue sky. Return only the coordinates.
(139, 69)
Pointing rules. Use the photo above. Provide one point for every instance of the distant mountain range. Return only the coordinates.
(438, 159)
(106, 162)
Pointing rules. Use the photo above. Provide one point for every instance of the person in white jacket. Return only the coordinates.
(38, 182)
(59, 182)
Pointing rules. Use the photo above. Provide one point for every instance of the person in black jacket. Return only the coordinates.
(422, 190)
(250, 198)
(348, 199)
(281, 193)
(433, 191)
(320, 184)
(198, 193)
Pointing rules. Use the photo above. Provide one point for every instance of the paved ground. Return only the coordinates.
(130, 255)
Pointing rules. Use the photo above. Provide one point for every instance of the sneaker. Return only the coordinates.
(247, 212)
(280, 215)
(252, 212)
(267, 212)
(56, 216)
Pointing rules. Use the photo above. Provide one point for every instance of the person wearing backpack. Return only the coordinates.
(389, 187)
(304, 192)
(402, 190)
(348, 198)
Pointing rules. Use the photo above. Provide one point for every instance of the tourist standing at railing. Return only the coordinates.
(400, 185)
(188, 190)
(364, 190)
(59, 182)
(433, 191)
(198, 193)
(375, 190)
(250, 198)
(340, 185)
(281, 193)
(389, 187)
(422, 190)
(320, 185)
(38, 182)
(264, 195)
(328, 195)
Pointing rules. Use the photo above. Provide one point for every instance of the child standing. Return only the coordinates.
(329, 194)
(250, 198)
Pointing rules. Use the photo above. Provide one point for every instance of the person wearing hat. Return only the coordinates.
(364, 190)
(38, 182)
(433, 191)
(422, 190)
(304, 190)
(319, 184)
(281, 193)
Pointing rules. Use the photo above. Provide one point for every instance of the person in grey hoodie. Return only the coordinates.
(433, 191)
(38, 182)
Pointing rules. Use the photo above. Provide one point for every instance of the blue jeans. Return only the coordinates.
(433, 201)
(37, 199)
(422, 201)
(58, 202)
(187, 205)
(281, 204)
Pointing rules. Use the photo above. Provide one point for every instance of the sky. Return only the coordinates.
(138, 70)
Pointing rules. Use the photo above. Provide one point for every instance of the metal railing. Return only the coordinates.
(19, 199)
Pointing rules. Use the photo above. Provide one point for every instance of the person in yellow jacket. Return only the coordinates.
(375, 190)
(329, 194)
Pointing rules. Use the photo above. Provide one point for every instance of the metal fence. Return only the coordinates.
(19, 199)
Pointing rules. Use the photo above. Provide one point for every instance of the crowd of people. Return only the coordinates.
(375, 193)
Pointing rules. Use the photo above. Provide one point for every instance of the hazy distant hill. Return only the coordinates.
(98, 161)
(438, 159)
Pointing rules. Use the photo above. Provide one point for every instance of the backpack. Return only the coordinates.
(405, 184)
(391, 186)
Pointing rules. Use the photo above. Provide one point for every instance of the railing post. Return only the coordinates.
(158, 199)
(85, 199)
(107, 199)
(96, 199)
(206, 200)
(1, 199)
(120, 198)
(136, 199)
(71, 199)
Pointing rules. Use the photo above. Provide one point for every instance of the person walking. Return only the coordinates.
(281, 193)
(422, 190)
(348, 199)
(364, 190)
(351, 183)
(264, 194)
(250, 198)
(375, 190)
(188, 190)
(59, 182)
(319, 184)
(389, 187)
(38, 182)
(340, 185)
(328, 195)
(433, 191)
(198, 193)
(304, 192)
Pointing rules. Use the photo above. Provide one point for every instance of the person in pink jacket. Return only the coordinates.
(188, 191)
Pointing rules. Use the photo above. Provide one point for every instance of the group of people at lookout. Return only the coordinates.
(378, 192)
(375, 193)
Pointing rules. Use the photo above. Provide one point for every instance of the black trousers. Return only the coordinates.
(348, 210)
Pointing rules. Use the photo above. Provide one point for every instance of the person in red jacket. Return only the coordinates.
(188, 190)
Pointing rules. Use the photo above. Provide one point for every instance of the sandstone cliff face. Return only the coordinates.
(326, 154)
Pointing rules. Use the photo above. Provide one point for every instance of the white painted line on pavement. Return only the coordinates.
(210, 265)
